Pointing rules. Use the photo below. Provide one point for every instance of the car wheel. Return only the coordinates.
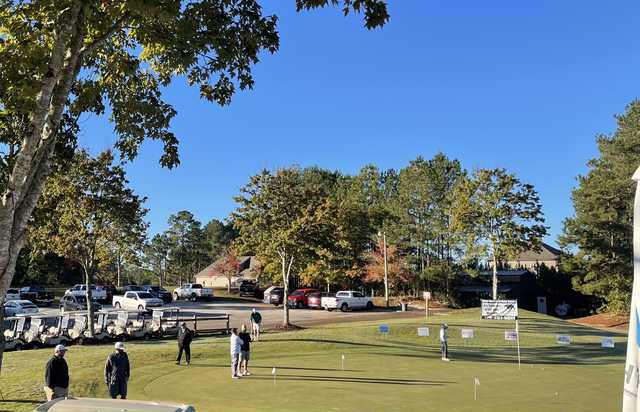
(369, 305)
(329, 310)
(344, 307)
(176, 297)
(298, 305)
(117, 305)
(193, 297)
(18, 346)
(140, 307)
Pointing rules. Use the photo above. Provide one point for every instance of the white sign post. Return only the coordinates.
(503, 310)
(607, 342)
(467, 333)
(423, 332)
(426, 295)
(476, 383)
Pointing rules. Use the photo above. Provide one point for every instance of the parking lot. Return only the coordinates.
(240, 309)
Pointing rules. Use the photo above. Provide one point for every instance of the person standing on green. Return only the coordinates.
(256, 319)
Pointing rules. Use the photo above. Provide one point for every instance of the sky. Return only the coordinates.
(526, 86)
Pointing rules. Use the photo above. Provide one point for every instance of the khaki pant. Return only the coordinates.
(56, 392)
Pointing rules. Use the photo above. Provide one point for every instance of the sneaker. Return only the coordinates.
(446, 359)
(247, 373)
(235, 377)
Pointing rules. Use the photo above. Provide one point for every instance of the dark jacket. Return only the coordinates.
(246, 341)
(185, 336)
(116, 370)
(56, 373)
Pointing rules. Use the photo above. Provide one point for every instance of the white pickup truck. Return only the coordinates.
(193, 291)
(346, 300)
(97, 293)
(136, 301)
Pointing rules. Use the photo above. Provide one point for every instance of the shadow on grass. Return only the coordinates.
(351, 379)
(278, 367)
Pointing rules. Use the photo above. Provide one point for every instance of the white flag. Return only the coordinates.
(343, 356)
(630, 395)
(273, 371)
(477, 381)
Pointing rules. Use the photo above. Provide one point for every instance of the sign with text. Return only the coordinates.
(426, 295)
(563, 339)
(467, 333)
(500, 309)
(422, 332)
(383, 329)
(607, 342)
(510, 335)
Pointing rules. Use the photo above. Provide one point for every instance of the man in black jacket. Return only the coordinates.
(185, 336)
(56, 375)
(117, 372)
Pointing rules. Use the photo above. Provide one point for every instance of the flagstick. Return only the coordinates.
(475, 390)
(343, 361)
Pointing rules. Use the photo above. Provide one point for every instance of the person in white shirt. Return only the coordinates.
(235, 347)
(444, 347)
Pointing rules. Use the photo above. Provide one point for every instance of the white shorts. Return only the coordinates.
(256, 327)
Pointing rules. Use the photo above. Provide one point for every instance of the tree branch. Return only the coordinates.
(89, 48)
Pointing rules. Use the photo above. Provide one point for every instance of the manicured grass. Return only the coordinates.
(399, 372)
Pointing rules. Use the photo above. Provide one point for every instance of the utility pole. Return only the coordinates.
(386, 272)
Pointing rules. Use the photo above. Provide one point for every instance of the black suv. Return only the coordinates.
(249, 288)
(158, 292)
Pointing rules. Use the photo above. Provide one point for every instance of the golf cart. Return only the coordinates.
(165, 322)
(13, 330)
(131, 325)
(47, 330)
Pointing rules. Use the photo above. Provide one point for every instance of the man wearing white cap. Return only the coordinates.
(56, 375)
(117, 372)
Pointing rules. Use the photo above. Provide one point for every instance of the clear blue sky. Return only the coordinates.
(520, 85)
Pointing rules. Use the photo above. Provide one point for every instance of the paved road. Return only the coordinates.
(240, 309)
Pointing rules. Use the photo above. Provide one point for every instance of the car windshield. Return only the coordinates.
(297, 293)
(145, 295)
(196, 286)
(28, 305)
(153, 288)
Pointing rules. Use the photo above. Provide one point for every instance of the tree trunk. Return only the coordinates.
(285, 281)
(495, 277)
(90, 310)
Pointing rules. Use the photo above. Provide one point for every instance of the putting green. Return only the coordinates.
(399, 372)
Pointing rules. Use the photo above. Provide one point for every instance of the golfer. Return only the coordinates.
(256, 319)
(235, 346)
(244, 351)
(185, 336)
(56, 375)
(444, 346)
(117, 372)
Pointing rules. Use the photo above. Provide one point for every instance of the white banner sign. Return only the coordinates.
(467, 333)
(423, 332)
(510, 335)
(563, 339)
(500, 309)
(608, 342)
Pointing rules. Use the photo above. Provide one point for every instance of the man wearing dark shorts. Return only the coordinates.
(244, 351)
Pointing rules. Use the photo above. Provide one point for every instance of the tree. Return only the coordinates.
(219, 236)
(600, 232)
(85, 212)
(499, 215)
(62, 58)
(156, 256)
(275, 221)
(398, 271)
(187, 245)
(228, 265)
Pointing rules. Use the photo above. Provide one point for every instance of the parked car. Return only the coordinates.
(346, 300)
(158, 292)
(132, 288)
(98, 294)
(274, 295)
(193, 291)
(299, 298)
(19, 307)
(72, 303)
(110, 290)
(95, 404)
(314, 300)
(12, 294)
(37, 295)
(136, 301)
(248, 288)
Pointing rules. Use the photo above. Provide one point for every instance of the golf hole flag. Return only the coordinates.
(630, 396)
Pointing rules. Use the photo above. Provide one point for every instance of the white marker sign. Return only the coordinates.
(467, 333)
(608, 342)
(422, 332)
(500, 309)
(563, 339)
(510, 335)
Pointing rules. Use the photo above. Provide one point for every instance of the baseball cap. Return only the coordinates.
(119, 345)
(60, 348)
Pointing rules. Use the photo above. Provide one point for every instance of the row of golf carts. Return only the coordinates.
(35, 331)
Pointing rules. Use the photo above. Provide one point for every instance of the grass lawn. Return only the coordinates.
(401, 372)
